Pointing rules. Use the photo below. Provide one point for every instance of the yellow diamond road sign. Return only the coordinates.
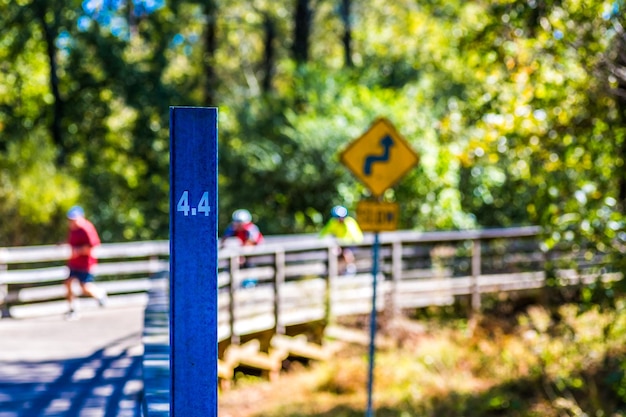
(380, 157)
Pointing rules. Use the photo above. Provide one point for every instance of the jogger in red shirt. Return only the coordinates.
(82, 238)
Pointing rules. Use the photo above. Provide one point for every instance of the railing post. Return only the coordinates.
(396, 276)
(279, 279)
(4, 292)
(547, 267)
(154, 264)
(476, 271)
(333, 271)
(232, 290)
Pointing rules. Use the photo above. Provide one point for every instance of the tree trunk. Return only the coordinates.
(132, 19)
(58, 104)
(303, 18)
(345, 11)
(269, 55)
(616, 68)
(622, 155)
(210, 45)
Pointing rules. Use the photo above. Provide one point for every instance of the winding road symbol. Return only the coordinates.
(379, 157)
(387, 143)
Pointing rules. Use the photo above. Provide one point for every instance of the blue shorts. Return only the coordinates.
(82, 276)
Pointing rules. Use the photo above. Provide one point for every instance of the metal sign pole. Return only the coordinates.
(193, 261)
(372, 351)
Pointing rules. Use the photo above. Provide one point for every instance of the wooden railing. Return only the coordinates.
(298, 281)
(295, 279)
(31, 277)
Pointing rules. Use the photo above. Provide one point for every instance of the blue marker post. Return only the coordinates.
(193, 261)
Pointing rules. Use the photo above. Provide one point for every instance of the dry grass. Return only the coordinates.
(531, 368)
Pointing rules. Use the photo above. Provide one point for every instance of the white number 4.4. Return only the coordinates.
(203, 205)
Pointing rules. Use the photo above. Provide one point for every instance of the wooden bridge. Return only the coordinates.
(295, 280)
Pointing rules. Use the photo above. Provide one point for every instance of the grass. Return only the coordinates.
(566, 362)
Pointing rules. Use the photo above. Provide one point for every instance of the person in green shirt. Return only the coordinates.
(348, 233)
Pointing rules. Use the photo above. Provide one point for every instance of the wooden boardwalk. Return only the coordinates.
(90, 367)
(49, 367)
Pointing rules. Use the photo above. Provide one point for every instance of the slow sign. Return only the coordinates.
(374, 216)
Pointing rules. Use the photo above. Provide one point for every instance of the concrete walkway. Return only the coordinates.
(90, 367)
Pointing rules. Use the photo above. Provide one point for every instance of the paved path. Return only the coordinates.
(85, 368)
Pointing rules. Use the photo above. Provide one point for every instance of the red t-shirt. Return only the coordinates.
(84, 234)
(249, 232)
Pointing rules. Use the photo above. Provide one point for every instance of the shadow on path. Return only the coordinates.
(106, 383)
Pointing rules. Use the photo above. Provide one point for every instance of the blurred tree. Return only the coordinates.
(612, 72)
(542, 136)
(515, 108)
(34, 189)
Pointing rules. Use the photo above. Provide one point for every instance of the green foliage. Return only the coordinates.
(509, 104)
(33, 191)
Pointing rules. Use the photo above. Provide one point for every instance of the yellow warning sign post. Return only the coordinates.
(379, 158)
